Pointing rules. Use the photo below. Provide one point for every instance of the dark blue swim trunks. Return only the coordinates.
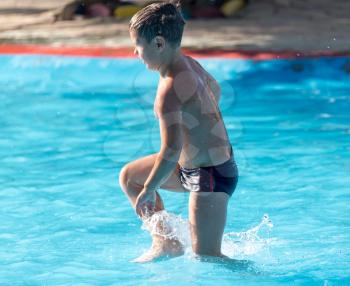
(219, 178)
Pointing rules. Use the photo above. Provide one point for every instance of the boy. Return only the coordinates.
(195, 155)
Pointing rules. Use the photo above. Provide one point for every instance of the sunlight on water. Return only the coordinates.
(70, 124)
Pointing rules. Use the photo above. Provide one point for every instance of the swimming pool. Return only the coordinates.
(68, 124)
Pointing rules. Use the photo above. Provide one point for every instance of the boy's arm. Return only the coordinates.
(170, 120)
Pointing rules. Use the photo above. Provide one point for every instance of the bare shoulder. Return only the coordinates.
(167, 99)
(186, 84)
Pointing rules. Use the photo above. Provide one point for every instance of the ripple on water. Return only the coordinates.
(66, 134)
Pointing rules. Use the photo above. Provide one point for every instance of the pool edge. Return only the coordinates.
(127, 52)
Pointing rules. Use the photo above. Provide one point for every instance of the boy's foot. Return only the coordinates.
(162, 249)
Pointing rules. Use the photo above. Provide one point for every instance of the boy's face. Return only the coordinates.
(147, 52)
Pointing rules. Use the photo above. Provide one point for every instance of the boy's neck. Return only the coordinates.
(168, 68)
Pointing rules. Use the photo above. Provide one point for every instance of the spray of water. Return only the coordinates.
(169, 226)
(238, 245)
(247, 243)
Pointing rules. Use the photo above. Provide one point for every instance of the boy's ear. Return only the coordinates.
(159, 42)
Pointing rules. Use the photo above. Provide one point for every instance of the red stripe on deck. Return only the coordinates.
(127, 52)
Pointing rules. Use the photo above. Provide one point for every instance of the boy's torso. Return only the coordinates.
(205, 141)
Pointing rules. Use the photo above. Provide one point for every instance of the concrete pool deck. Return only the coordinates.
(264, 26)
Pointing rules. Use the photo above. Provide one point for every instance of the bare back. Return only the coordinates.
(205, 141)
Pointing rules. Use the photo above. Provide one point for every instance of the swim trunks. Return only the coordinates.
(219, 178)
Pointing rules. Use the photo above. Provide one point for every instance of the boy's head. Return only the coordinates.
(162, 19)
(156, 32)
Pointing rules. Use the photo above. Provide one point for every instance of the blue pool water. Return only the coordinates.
(69, 124)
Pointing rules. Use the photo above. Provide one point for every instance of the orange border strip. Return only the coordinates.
(127, 52)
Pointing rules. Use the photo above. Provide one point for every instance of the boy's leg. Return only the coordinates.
(207, 216)
(131, 180)
(134, 174)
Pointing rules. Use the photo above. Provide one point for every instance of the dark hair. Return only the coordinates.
(159, 19)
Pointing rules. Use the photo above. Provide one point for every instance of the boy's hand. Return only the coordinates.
(145, 203)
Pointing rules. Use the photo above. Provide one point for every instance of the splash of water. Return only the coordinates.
(250, 242)
(235, 244)
(168, 226)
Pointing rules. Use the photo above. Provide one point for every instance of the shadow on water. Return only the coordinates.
(234, 265)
